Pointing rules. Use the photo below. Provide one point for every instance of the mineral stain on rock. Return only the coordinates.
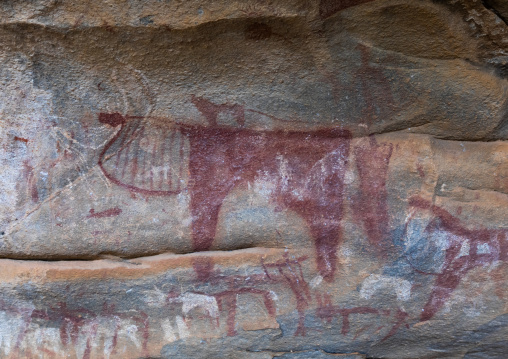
(258, 31)
(329, 7)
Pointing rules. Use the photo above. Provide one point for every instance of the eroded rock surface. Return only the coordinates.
(268, 179)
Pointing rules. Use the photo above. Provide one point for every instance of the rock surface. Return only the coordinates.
(254, 179)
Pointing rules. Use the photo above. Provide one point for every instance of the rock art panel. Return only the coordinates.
(274, 179)
(307, 168)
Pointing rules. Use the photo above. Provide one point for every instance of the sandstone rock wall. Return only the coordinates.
(254, 179)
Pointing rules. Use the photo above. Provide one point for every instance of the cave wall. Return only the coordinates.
(253, 179)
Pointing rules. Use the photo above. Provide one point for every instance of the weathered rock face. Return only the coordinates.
(268, 179)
